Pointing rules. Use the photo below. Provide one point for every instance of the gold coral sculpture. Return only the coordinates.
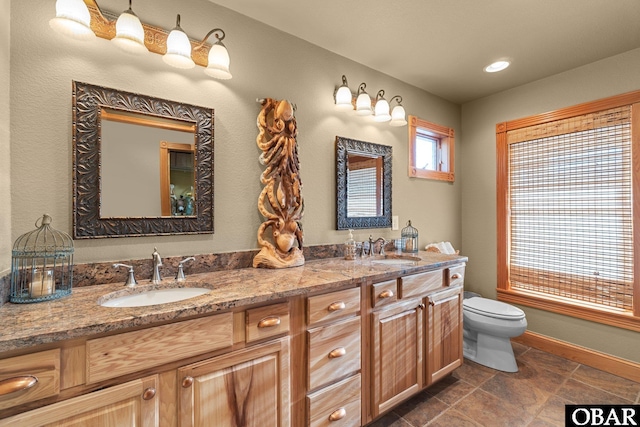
(280, 201)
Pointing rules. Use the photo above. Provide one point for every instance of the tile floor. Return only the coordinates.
(534, 396)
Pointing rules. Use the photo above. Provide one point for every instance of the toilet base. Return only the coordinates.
(491, 351)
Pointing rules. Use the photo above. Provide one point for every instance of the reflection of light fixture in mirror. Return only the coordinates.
(129, 32)
(398, 115)
(178, 48)
(218, 60)
(363, 101)
(73, 19)
(343, 96)
(381, 113)
(496, 66)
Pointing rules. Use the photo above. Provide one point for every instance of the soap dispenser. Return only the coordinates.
(350, 247)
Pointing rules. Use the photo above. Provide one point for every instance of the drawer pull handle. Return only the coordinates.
(336, 306)
(386, 294)
(187, 382)
(269, 321)
(149, 393)
(456, 276)
(16, 384)
(338, 415)
(338, 352)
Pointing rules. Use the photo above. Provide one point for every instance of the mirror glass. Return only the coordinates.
(147, 166)
(142, 165)
(363, 184)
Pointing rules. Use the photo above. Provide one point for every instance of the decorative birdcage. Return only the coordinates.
(409, 237)
(41, 264)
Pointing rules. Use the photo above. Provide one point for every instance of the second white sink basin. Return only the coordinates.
(156, 296)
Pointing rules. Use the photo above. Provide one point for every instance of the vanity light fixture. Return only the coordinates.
(73, 19)
(381, 112)
(83, 20)
(363, 104)
(496, 66)
(178, 48)
(129, 32)
(363, 101)
(398, 115)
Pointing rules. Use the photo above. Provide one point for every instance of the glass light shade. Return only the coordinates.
(218, 66)
(344, 98)
(382, 111)
(178, 50)
(398, 116)
(363, 104)
(129, 33)
(73, 20)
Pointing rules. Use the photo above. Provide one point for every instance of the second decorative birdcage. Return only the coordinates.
(409, 236)
(41, 264)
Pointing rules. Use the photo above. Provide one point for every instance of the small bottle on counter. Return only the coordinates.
(350, 247)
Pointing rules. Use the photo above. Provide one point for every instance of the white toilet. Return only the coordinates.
(488, 327)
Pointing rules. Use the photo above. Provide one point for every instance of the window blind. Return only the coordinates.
(570, 209)
(362, 192)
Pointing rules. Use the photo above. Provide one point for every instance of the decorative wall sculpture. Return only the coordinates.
(280, 201)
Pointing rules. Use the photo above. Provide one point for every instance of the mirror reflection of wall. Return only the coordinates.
(364, 185)
(131, 171)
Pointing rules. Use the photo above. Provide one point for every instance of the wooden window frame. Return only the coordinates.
(446, 141)
(622, 319)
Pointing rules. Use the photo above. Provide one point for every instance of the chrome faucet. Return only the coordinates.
(180, 275)
(131, 280)
(157, 262)
(373, 243)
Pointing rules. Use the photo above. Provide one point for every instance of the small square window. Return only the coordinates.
(430, 150)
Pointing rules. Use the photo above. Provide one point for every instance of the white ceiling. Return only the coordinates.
(442, 46)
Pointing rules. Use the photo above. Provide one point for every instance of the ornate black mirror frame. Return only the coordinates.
(88, 100)
(344, 146)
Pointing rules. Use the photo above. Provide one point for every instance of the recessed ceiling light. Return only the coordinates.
(496, 66)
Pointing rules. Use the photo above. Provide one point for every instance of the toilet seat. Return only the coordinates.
(492, 308)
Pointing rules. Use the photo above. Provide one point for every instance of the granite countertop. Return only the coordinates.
(80, 316)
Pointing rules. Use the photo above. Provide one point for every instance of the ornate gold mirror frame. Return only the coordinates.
(88, 102)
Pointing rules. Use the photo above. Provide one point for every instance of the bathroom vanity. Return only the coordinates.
(330, 343)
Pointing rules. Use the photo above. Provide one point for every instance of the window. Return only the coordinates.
(430, 150)
(566, 190)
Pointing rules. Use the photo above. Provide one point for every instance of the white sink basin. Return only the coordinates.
(156, 296)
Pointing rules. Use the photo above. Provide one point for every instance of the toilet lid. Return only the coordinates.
(492, 308)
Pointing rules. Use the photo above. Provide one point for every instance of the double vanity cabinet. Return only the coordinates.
(329, 353)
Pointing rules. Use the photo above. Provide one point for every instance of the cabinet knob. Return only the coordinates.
(338, 414)
(336, 306)
(187, 382)
(386, 294)
(421, 306)
(16, 384)
(456, 276)
(338, 352)
(149, 393)
(269, 321)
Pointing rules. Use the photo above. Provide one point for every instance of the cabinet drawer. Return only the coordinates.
(332, 306)
(334, 352)
(419, 284)
(384, 293)
(336, 405)
(28, 378)
(266, 322)
(456, 276)
(110, 357)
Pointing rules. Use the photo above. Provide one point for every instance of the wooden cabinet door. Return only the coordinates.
(130, 404)
(245, 388)
(444, 333)
(396, 359)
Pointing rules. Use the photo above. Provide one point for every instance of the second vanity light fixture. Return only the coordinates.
(83, 20)
(364, 106)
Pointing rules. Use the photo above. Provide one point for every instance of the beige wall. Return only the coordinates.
(615, 75)
(5, 142)
(265, 63)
